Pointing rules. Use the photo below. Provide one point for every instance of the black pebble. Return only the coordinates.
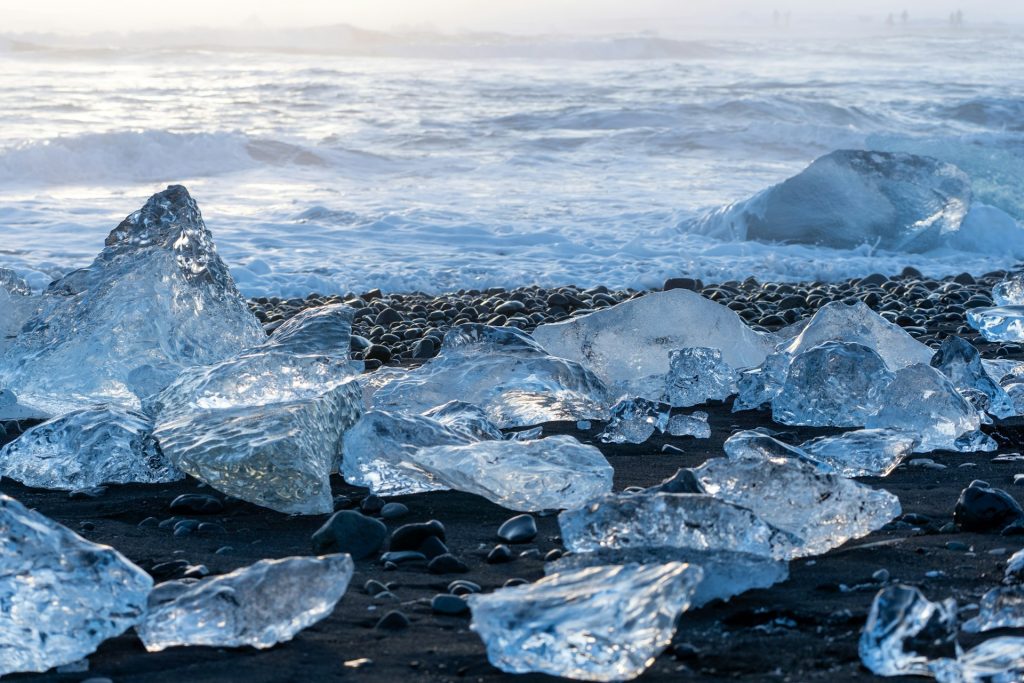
(447, 564)
(393, 510)
(401, 556)
(197, 503)
(411, 536)
(392, 621)
(499, 554)
(983, 508)
(433, 546)
(424, 348)
(445, 603)
(373, 587)
(518, 529)
(350, 532)
(378, 352)
(683, 283)
(372, 504)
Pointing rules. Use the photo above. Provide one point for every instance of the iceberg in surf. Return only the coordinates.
(156, 300)
(16, 305)
(999, 323)
(260, 605)
(60, 595)
(628, 344)
(958, 360)
(596, 624)
(894, 201)
(502, 370)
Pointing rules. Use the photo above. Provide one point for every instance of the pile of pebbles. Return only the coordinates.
(397, 328)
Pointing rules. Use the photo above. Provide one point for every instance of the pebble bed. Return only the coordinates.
(390, 329)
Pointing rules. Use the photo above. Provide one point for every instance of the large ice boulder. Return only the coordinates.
(847, 198)
(156, 300)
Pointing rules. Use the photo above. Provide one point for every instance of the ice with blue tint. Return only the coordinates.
(1009, 292)
(905, 631)
(758, 386)
(695, 425)
(630, 342)
(60, 595)
(156, 300)
(862, 452)
(261, 605)
(86, 448)
(503, 371)
(634, 420)
(16, 305)
(1001, 607)
(958, 360)
(596, 624)
(697, 374)
(834, 384)
(999, 323)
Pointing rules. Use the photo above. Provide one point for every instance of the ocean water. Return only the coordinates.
(548, 163)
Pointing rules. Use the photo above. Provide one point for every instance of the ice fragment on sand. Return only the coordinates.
(88, 447)
(502, 370)
(467, 419)
(157, 299)
(672, 520)
(553, 473)
(635, 420)
(833, 384)
(260, 605)
(905, 630)
(958, 360)
(999, 660)
(1014, 573)
(757, 386)
(1001, 607)
(999, 324)
(60, 595)
(632, 340)
(794, 493)
(596, 624)
(695, 425)
(922, 402)
(16, 306)
(1009, 292)
(696, 375)
(847, 198)
(863, 452)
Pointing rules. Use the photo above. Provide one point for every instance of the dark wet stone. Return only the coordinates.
(403, 556)
(378, 352)
(211, 528)
(372, 504)
(447, 564)
(510, 308)
(393, 511)
(690, 283)
(445, 603)
(433, 546)
(518, 529)
(393, 621)
(350, 532)
(514, 582)
(463, 587)
(165, 570)
(499, 554)
(983, 508)
(373, 587)
(344, 503)
(197, 503)
(387, 317)
(149, 523)
(87, 493)
(683, 481)
(411, 536)
(552, 555)
(425, 348)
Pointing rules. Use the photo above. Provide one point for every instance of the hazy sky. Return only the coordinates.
(514, 15)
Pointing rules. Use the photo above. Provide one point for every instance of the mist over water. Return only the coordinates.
(434, 164)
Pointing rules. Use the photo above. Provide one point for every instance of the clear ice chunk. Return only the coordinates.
(793, 493)
(726, 574)
(695, 425)
(849, 198)
(633, 339)
(16, 306)
(1001, 607)
(260, 605)
(650, 520)
(278, 455)
(1009, 292)
(468, 419)
(862, 452)
(758, 386)
(379, 451)
(595, 624)
(557, 472)
(86, 448)
(958, 360)
(321, 331)
(696, 375)
(922, 402)
(503, 371)
(835, 384)
(634, 420)
(12, 283)
(857, 323)
(1014, 573)
(998, 324)
(998, 660)
(60, 595)
(156, 300)
(905, 631)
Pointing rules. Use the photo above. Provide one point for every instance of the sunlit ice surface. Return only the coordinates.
(334, 173)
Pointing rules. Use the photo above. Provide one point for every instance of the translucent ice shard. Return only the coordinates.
(12, 283)
(157, 299)
(635, 420)
(595, 624)
(322, 330)
(757, 386)
(726, 574)
(999, 660)
(794, 493)
(88, 447)
(1014, 569)
(505, 372)
(958, 360)
(632, 340)
(467, 419)
(1001, 607)
(672, 520)
(16, 306)
(835, 384)
(696, 375)
(863, 452)
(895, 201)
(856, 323)
(558, 472)
(695, 425)
(922, 402)
(905, 630)
(60, 595)
(260, 605)
(998, 324)
(1009, 292)
(279, 455)
(380, 450)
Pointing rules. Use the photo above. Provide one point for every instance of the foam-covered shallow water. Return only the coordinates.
(333, 173)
